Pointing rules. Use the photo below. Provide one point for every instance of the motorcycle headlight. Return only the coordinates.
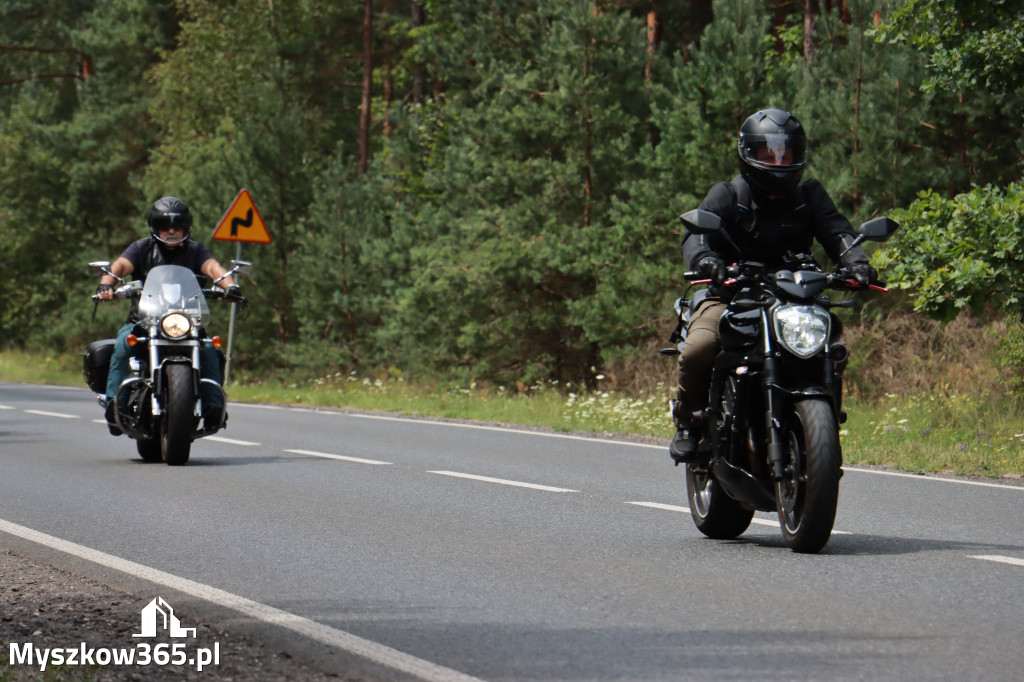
(802, 329)
(176, 325)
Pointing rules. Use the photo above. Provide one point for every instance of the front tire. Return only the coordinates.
(176, 423)
(714, 513)
(149, 449)
(809, 491)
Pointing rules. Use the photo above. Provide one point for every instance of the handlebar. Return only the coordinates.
(839, 279)
(129, 290)
(218, 294)
(134, 288)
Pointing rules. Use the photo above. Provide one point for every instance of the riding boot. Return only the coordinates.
(110, 412)
(683, 448)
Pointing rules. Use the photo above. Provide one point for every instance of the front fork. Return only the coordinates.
(775, 401)
(156, 363)
(773, 419)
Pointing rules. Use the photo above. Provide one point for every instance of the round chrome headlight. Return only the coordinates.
(803, 330)
(176, 325)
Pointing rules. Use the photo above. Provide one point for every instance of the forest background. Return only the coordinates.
(487, 191)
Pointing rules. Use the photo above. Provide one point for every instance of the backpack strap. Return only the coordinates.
(798, 204)
(744, 212)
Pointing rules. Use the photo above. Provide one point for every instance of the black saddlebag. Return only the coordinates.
(96, 364)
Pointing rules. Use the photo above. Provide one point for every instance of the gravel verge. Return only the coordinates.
(51, 607)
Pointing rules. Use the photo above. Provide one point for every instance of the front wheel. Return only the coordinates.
(809, 490)
(714, 513)
(177, 421)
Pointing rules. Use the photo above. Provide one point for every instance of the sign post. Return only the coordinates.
(241, 223)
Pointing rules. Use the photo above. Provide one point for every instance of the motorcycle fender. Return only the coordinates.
(158, 381)
(806, 392)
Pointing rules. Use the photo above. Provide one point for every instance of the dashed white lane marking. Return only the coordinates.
(53, 414)
(339, 639)
(605, 441)
(7, 407)
(502, 481)
(677, 508)
(998, 559)
(230, 441)
(327, 455)
(659, 505)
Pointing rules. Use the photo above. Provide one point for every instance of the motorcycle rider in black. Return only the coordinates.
(767, 213)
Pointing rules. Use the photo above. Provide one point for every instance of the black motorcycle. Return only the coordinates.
(770, 433)
(158, 403)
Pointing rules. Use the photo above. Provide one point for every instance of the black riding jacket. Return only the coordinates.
(766, 231)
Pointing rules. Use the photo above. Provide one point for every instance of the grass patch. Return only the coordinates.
(60, 369)
(562, 408)
(961, 434)
(958, 433)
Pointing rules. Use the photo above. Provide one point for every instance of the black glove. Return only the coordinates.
(104, 287)
(234, 294)
(864, 273)
(713, 268)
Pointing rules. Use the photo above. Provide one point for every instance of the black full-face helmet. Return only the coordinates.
(167, 214)
(773, 152)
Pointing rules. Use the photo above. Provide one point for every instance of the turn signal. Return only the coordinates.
(216, 341)
(131, 339)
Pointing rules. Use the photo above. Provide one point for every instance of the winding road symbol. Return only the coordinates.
(238, 222)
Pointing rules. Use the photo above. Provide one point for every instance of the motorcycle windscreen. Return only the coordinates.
(172, 288)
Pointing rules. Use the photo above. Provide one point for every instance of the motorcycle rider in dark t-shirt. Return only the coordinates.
(170, 225)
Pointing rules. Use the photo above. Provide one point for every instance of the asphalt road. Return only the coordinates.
(505, 554)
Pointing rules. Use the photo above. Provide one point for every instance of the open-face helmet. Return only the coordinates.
(171, 217)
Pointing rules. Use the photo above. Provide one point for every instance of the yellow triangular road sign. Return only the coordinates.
(242, 222)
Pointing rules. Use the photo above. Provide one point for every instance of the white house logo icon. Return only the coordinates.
(159, 613)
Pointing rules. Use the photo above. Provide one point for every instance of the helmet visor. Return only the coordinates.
(171, 228)
(774, 151)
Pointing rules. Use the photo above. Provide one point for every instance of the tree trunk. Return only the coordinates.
(419, 78)
(364, 116)
(810, 16)
(653, 38)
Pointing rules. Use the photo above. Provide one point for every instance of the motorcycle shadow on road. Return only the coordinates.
(218, 461)
(881, 545)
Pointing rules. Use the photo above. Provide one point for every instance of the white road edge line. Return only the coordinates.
(606, 441)
(677, 508)
(502, 481)
(938, 479)
(230, 441)
(53, 414)
(339, 639)
(326, 455)
(998, 559)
